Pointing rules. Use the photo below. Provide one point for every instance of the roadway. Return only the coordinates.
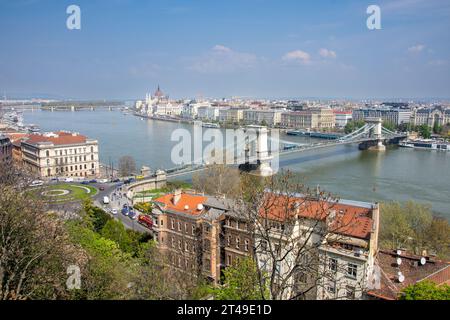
(117, 197)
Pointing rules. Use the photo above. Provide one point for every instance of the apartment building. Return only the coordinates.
(319, 118)
(268, 117)
(342, 118)
(395, 116)
(430, 116)
(202, 235)
(208, 113)
(5, 149)
(60, 154)
(332, 242)
(187, 232)
(231, 115)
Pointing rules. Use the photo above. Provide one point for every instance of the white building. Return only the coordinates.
(342, 118)
(60, 154)
(260, 117)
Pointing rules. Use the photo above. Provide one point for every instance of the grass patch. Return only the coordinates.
(73, 192)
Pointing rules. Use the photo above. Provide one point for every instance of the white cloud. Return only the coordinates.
(299, 56)
(221, 59)
(416, 48)
(327, 53)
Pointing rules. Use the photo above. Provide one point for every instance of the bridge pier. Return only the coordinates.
(261, 167)
(377, 133)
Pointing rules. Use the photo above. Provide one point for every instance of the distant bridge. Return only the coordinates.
(372, 136)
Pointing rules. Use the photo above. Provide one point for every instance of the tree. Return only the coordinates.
(217, 180)
(127, 166)
(424, 131)
(115, 231)
(389, 125)
(437, 128)
(287, 258)
(412, 226)
(426, 290)
(438, 237)
(353, 125)
(35, 249)
(240, 282)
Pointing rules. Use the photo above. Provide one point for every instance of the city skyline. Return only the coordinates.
(252, 49)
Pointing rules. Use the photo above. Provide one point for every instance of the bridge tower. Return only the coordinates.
(376, 133)
(259, 164)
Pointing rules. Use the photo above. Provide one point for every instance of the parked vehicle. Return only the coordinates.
(103, 181)
(116, 180)
(125, 211)
(146, 221)
(114, 211)
(37, 183)
(69, 179)
(106, 200)
(102, 188)
(93, 181)
(85, 182)
(132, 215)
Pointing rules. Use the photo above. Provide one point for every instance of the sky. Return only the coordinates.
(221, 49)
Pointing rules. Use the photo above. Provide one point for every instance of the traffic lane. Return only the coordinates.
(117, 202)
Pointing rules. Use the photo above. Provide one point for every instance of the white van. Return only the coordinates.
(103, 181)
(105, 200)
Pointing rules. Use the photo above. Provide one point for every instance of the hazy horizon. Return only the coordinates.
(260, 49)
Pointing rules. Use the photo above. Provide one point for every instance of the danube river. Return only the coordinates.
(397, 174)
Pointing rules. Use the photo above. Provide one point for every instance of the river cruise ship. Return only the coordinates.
(428, 144)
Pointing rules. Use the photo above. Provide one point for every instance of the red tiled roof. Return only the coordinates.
(350, 220)
(434, 270)
(62, 138)
(189, 200)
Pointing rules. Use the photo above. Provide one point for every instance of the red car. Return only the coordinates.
(146, 221)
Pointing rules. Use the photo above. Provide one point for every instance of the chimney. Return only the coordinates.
(176, 196)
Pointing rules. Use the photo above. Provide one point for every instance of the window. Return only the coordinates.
(352, 270)
(161, 222)
(331, 287)
(179, 244)
(264, 245)
(179, 226)
(173, 224)
(229, 260)
(238, 244)
(186, 246)
(332, 265)
(229, 241)
(237, 224)
(193, 229)
(350, 292)
(186, 228)
(47, 153)
(173, 243)
(246, 245)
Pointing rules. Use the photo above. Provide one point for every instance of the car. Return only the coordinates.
(106, 200)
(125, 211)
(69, 179)
(37, 183)
(85, 182)
(146, 221)
(102, 188)
(114, 211)
(93, 181)
(116, 180)
(103, 181)
(132, 215)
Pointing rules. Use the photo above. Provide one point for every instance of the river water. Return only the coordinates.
(397, 174)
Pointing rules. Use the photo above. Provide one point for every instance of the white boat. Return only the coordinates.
(210, 125)
(427, 144)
